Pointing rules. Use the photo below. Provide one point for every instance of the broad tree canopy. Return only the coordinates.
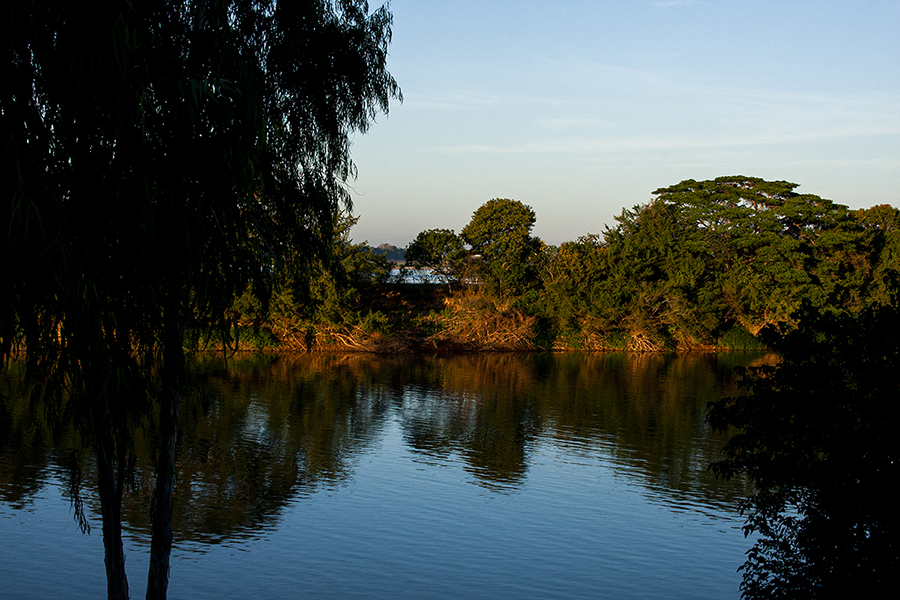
(771, 247)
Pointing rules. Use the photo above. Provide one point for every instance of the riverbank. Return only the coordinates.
(437, 318)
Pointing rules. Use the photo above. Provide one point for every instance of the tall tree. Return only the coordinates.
(659, 284)
(500, 234)
(157, 158)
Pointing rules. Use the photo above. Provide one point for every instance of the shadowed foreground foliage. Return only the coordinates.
(159, 158)
(817, 436)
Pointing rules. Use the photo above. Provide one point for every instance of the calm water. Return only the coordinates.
(485, 476)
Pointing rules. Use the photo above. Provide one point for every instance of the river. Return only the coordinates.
(359, 476)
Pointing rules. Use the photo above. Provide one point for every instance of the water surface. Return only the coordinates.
(477, 476)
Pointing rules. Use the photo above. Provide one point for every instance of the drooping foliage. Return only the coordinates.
(158, 157)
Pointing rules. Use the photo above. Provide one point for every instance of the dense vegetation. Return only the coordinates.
(815, 434)
(704, 265)
(174, 174)
(158, 159)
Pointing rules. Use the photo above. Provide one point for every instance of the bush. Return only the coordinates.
(738, 338)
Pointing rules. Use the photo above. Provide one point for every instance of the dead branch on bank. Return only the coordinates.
(473, 322)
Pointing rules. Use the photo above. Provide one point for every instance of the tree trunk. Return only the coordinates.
(163, 496)
(164, 491)
(109, 484)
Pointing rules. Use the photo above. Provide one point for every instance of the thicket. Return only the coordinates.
(814, 433)
(703, 265)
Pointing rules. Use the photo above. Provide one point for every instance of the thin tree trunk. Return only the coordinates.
(163, 496)
(109, 486)
(164, 491)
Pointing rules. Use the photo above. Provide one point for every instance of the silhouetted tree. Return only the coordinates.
(816, 436)
(157, 158)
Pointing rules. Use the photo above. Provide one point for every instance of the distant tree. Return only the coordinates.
(816, 436)
(771, 247)
(440, 250)
(499, 235)
(157, 158)
(330, 290)
(390, 252)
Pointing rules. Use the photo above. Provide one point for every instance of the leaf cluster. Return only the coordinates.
(815, 435)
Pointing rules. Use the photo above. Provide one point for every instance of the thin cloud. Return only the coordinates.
(654, 143)
(678, 3)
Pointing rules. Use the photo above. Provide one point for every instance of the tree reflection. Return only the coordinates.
(480, 407)
(31, 451)
(23, 444)
(260, 432)
(256, 434)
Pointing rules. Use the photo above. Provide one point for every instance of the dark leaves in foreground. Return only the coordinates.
(815, 434)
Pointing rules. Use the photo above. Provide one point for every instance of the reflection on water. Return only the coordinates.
(587, 470)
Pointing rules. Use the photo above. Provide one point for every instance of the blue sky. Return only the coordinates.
(581, 108)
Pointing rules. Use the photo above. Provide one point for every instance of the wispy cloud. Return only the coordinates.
(638, 143)
(678, 3)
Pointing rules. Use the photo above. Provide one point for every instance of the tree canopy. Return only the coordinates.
(158, 157)
(771, 247)
(500, 234)
(438, 249)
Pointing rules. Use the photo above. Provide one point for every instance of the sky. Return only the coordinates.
(582, 108)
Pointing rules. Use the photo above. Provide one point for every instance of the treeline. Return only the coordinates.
(704, 265)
